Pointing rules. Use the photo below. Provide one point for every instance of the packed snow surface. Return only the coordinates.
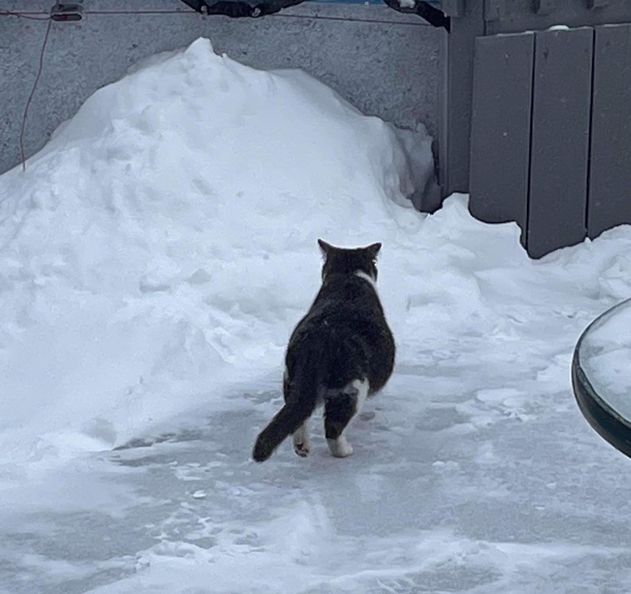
(154, 258)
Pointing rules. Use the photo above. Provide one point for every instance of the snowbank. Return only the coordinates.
(163, 243)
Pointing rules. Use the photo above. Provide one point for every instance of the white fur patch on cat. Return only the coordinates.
(302, 444)
(362, 387)
(339, 447)
(366, 277)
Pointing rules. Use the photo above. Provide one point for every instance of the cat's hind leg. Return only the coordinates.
(302, 444)
(339, 409)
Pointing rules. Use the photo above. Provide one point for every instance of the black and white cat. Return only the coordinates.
(338, 354)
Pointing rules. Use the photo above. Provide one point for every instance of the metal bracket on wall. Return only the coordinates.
(593, 4)
(425, 10)
(66, 12)
(544, 6)
(240, 8)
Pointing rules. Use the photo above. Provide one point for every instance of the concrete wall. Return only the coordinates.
(385, 63)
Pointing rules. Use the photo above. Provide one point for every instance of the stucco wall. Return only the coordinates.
(385, 63)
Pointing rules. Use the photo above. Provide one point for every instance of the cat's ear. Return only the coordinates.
(325, 248)
(373, 250)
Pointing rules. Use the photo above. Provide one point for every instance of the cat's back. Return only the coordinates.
(348, 300)
(346, 310)
(347, 324)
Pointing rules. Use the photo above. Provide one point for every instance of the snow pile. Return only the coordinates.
(164, 242)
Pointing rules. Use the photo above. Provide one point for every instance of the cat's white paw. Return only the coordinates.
(340, 448)
(301, 441)
(302, 449)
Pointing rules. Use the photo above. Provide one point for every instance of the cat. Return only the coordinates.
(339, 353)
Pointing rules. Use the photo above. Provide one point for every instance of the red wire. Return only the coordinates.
(30, 98)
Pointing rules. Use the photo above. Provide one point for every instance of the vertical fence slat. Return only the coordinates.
(560, 140)
(609, 202)
(500, 128)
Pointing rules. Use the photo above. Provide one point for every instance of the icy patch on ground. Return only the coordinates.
(154, 259)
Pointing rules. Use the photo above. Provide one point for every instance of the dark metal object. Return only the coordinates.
(425, 10)
(257, 8)
(65, 12)
(240, 8)
(610, 425)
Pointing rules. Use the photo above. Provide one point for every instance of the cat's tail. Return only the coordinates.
(298, 408)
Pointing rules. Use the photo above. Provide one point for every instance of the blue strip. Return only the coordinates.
(435, 3)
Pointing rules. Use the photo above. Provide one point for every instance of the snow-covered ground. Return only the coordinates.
(154, 258)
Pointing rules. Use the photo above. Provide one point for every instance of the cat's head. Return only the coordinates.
(349, 261)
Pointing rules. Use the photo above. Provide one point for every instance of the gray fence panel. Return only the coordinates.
(560, 140)
(609, 202)
(537, 15)
(500, 128)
